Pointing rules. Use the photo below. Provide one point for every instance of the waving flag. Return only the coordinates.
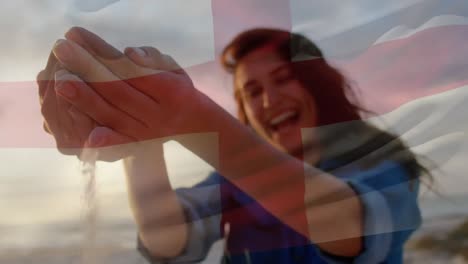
(407, 53)
(408, 60)
(408, 63)
(409, 66)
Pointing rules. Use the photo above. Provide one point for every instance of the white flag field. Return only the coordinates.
(408, 60)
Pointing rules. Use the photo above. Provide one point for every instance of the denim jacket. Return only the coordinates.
(391, 214)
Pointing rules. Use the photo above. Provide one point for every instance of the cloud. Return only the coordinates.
(92, 5)
(321, 19)
(124, 23)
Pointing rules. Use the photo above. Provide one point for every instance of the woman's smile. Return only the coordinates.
(276, 104)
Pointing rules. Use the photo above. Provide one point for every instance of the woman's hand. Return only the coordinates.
(141, 94)
(72, 129)
(69, 126)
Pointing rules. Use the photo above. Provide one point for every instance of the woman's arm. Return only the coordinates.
(315, 204)
(156, 208)
(318, 205)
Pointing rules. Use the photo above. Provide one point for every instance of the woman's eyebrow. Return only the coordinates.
(280, 69)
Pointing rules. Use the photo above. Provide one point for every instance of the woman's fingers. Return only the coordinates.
(108, 55)
(42, 84)
(152, 58)
(163, 86)
(59, 123)
(77, 60)
(157, 83)
(115, 91)
(152, 92)
(66, 123)
(49, 110)
(82, 124)
(118, 62)
(45, 78)
(86, 100)
(138, 75)
(93, 43)
(103, 137)
(111, 145)
(69, 126)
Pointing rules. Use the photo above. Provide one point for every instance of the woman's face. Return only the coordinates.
(276, 104)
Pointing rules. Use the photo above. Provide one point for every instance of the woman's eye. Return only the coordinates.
(255, 92)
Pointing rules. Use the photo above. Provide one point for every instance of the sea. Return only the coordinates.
(62, 242)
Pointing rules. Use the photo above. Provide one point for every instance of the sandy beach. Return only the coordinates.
(116, 254)
(437, 228)
(69, 255)
(73, 255)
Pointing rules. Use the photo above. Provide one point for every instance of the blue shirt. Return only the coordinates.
(390, 209)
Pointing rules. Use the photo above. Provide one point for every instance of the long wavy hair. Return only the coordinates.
(344, 136)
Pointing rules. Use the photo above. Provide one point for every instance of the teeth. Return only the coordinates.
(284, 116)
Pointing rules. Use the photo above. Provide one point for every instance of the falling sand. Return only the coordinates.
(91, 209)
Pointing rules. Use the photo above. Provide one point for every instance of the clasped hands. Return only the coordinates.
(92, 95)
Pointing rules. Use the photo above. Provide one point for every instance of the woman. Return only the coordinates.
(354, 200)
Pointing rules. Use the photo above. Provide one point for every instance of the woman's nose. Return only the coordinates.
(270, 97)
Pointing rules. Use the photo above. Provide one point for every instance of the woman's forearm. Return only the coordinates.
(316, 204)
(157, 211)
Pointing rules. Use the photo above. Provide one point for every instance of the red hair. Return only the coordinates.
(321, 80)
(335, 99)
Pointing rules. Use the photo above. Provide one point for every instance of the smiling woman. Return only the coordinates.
(345, 192)
(275, 103)
(283, 84)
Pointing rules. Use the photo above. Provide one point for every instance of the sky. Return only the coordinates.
(322, 19)
(38, 185)
(166, 25)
